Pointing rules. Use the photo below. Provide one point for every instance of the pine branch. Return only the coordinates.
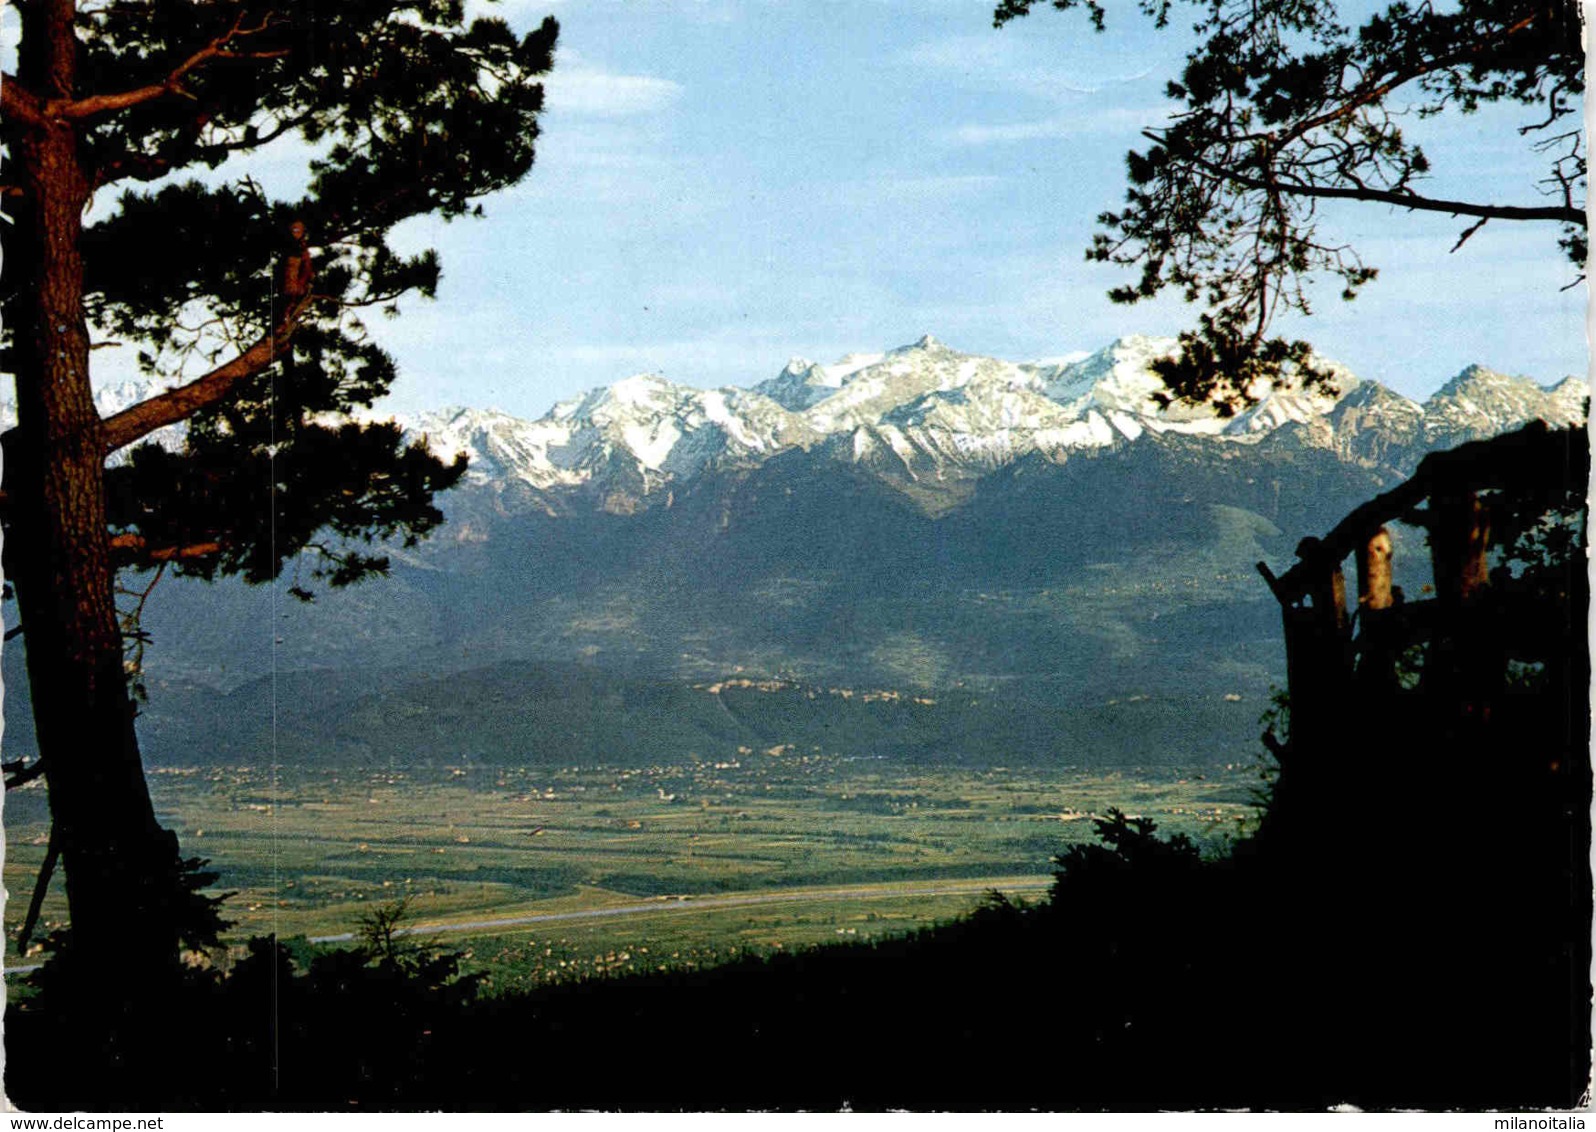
(1411, 201)
(175, 405)
(187, 150)
(77, 110)
(163, 554)
(1375, 91)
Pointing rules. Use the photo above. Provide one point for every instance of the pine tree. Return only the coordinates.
(1284, 106)
(253, 307)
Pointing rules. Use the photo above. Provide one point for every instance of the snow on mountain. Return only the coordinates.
(1369, 424)
(931, 412)
(1118, 380)
(942, 413)
(672, 428)
(1480, 401)
(1568, 402)
(803, 383)
(500, 447)
(1119, 383)
(626, 439)
(866, 394)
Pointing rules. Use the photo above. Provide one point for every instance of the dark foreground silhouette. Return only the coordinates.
(1405, 964)
(1432, 952)
(1410, 927)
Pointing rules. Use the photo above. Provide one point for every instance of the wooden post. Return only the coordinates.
(1460, 535)
(1466, 658)
(1377, 649)
(1374, 572)
(1329, 597)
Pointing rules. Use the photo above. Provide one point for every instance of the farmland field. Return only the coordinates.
(546, 874)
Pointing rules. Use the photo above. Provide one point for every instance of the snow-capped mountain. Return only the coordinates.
(1048, 532)
(926, 412)
(1478, 401)
(644, 430)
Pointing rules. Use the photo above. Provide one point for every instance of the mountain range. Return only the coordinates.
(930, 416)
(919, 553)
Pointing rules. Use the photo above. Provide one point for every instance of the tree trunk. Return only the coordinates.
(121, 866)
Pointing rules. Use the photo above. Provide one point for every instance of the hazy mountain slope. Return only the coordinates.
(1045, 536)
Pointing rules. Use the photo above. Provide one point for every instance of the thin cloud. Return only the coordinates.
(1088, 121)
(994, 61)
(1019, 64)
(589, 93)
(1015, 132)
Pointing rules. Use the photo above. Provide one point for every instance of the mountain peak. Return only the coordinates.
(1481, 401)
(924, 342)
(640, 384)
(1473, 375)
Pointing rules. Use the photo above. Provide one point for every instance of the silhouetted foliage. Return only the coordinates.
(350, 1025)
(1285, 105)
(389, 947)
(1127, 844)
(251, 310)
(1410, 927)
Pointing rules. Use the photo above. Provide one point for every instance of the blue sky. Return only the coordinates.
(723, 184)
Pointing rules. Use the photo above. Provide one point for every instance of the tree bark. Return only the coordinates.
(121, 866)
